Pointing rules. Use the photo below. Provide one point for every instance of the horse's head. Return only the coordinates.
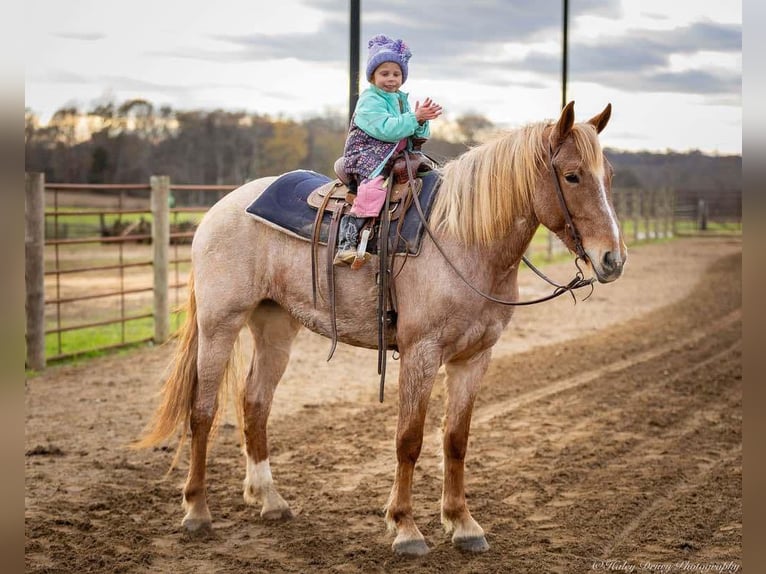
(575, 190)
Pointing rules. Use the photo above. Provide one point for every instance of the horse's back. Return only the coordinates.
(227, 218)
(238, 199)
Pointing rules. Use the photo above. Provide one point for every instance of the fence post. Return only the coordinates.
(673, 221)
(549, 248)
(622, 211)
(702, 215)
(161, 247)
(34, 255)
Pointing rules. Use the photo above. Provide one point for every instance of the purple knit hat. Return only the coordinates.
(384, 49)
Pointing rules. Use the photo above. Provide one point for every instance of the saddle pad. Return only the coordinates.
(283, 205)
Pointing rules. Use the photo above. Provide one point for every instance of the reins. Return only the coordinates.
(577, 282)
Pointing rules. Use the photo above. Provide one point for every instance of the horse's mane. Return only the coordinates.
(486, 188)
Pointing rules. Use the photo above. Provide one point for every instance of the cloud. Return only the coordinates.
(640, 60)
(85, 36)
(436, 30)
(467, 40)
(688, 81)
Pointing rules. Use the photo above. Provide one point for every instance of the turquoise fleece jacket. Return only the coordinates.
(379, 114)
(381, 119)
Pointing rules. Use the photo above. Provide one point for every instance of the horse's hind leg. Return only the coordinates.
(215, 346)
(462, 383)
(273, 332)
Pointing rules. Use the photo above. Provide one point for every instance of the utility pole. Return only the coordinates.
(564, 62)
(353, 76)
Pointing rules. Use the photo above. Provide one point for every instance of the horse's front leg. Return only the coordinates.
(416, 378)
(462, 384)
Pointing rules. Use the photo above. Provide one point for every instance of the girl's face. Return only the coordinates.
(387, 77)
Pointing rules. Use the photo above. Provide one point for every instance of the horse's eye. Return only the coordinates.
(572, 178)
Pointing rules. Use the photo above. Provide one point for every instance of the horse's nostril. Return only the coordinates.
(608, 261)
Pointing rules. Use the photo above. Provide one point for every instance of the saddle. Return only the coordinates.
(334, 192)
(336, 198)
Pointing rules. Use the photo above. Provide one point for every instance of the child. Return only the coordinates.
(382, 125)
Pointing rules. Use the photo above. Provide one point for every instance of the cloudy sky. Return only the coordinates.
(672, 70)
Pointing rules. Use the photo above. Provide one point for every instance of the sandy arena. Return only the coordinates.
(607, 434)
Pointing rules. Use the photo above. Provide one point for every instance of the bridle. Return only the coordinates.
(577, 282)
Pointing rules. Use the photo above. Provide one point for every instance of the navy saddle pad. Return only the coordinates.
(283, 205)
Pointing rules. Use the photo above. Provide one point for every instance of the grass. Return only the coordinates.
(89, 342)
(82, 225)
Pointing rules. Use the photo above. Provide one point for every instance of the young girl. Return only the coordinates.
(382, 125)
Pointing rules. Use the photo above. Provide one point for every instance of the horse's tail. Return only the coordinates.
(180, 386)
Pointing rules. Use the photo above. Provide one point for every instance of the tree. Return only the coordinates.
(471, 126)
(285, 150)
(99, 165)
(325, 140)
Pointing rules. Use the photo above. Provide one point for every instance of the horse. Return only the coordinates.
(492, 199)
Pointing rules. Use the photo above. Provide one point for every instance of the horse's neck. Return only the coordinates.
(500, 260)
(507, 252)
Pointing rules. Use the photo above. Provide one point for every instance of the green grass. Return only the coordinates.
(713, 228)
(82, 225)
(94, 341)
(93, 338)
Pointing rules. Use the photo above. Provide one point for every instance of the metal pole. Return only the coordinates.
(354, 39)
(564, 63)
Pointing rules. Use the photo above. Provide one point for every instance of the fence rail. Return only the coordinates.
(62, 301)
(68, 243)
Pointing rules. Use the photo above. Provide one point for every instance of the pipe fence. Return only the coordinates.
(104, 263)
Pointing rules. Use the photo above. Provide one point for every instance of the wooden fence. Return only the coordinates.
(644, 215)
(60, 268)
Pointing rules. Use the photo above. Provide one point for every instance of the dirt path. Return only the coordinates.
(607, 435)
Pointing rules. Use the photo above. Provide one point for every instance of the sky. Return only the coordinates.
(671, 70)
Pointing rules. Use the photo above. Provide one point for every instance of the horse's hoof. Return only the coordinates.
(277, 514)
(473, 544)
(415, 547)
(197, 525)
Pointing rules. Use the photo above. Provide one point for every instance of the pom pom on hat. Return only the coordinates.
(384, 49)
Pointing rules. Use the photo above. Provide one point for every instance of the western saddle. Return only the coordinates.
(336, 198)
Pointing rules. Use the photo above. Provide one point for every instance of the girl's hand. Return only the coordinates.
(428, 111)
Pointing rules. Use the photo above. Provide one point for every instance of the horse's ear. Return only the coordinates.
(564, 125)
(602, 119)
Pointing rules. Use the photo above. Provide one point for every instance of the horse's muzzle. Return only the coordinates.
(607, 266)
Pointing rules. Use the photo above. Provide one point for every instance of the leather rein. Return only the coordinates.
(577, 282)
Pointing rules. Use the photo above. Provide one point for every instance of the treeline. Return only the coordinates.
(681, 171)
(130, 142)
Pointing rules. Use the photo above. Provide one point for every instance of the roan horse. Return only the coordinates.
(492, 199)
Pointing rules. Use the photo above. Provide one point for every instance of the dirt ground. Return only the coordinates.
(607, 437)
